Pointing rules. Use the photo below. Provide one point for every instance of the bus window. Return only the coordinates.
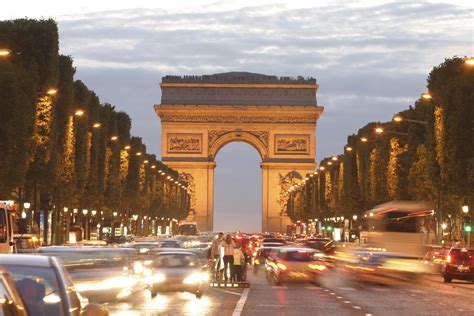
(399, 222)
(3, 225)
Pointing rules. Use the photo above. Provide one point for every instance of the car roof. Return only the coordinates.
(174, 252)
(26, 260)
(288, 249)
(54, 249)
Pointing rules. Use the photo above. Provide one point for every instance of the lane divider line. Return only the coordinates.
(240, 304)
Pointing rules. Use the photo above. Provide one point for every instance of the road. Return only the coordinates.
(334, 295)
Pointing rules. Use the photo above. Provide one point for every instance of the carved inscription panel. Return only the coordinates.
(292, 144)
(184, 143)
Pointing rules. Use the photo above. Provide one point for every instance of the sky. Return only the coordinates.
(370, 58)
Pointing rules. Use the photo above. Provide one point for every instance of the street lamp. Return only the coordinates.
(465, 209)
(5, 52)
(96, 125)
(79, 113)
(398, 118)
(114, 214)
(444, 226)
(426, 96)
(364, 139)
(135, 217)
(354, 217)
(113, 138)
(348, 148)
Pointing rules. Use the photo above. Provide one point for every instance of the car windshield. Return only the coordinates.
(176, 261)
(39, 289)
(297, 256)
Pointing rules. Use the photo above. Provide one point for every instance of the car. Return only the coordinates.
(459, 264)
(11, 302)
(171, 243)
(46, 287)
(435, 257)
(143, 247)
(260, 256)
(295, 264)
(26, 243)
(177, 271)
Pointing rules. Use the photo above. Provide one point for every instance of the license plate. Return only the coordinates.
(463, 269)
(298, 275)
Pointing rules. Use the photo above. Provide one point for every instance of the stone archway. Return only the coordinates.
(277, 116)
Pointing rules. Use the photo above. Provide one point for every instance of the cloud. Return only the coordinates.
(371, 60)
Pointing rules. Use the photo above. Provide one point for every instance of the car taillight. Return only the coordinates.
(448, 259)
(281, 266)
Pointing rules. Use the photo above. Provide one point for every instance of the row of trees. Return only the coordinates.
(57, 138)
(426, 153)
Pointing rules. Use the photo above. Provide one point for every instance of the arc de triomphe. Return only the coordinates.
(201, 114)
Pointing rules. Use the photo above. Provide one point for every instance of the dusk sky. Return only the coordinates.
(370, 58)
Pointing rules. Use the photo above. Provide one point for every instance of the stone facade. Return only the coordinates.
(277, 116)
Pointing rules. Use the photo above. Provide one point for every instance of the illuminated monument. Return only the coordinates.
(277, 116)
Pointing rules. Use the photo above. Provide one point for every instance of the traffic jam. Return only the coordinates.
(102, 277)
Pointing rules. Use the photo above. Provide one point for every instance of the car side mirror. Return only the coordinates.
(93, 309)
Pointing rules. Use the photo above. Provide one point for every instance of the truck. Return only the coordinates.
(7, 213)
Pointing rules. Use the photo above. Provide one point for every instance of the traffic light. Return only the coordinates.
(467, 228)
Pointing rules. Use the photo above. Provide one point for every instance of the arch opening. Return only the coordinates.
(239, 136)
(237, 188)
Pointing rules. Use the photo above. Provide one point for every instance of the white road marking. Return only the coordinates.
(279, 287)
(347, 302)
(240, 304)
(346, 288)
(357, 307)
(460, 310)
(339, 297)
(229, 292)
(332, 293)
(312, 288)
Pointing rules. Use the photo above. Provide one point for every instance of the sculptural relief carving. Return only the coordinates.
(238, 119)
(184, 143)
(187, 177)
(285, 183)
(291, 144)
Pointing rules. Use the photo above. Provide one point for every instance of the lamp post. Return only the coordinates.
(467, 224)
(66, 224)
(85, 223)
(112, 227)
(135, 218)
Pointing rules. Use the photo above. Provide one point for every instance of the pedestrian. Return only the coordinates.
(229, 246)
(215, 254)
(239, 261)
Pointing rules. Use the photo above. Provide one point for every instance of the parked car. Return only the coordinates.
(177, 271)
(46, 288)
(11, 303)
(459, 265)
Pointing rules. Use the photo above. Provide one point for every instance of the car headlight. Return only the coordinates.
(138, 267)
(156, 278)
(196, 278)
(144, 250)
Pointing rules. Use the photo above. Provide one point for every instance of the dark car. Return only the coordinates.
(177, 271)
(459, 264)
(45, 286)
(260, 257)
(295, 264)
(325, 245)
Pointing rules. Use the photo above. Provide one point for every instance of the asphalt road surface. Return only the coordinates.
(334, 295)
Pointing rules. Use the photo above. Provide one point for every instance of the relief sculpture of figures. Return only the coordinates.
(187, 177)
(285, 183)
(291, 144)
(184, 143)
